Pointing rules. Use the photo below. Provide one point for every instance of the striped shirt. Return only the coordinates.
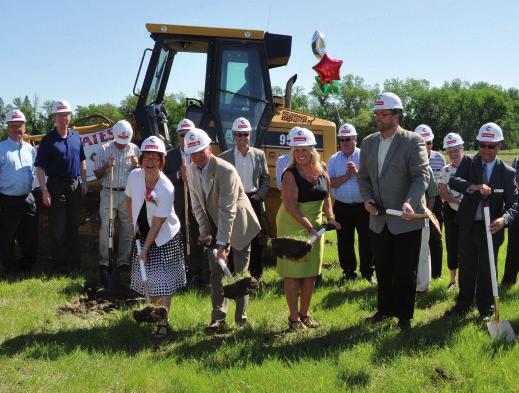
(16, 167)
(122, 165)
(437, 162)
(445, 174)
(347, 192)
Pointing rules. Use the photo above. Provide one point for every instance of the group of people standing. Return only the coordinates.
(188, 208)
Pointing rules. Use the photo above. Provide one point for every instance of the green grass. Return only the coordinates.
(42, 350)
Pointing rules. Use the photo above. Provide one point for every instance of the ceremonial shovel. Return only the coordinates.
(496, 328)
(241, 287)
(294, 248)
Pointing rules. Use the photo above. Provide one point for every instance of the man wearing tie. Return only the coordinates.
(483, 179)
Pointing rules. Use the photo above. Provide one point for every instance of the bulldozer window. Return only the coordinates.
(157, 77)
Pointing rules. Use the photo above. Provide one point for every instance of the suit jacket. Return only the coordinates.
(225, 204)
(404, 177)
(502, 200)
(173, 164)
(260, 172)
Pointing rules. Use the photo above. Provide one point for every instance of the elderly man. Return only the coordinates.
(18, 216)
(61, 158)
(343, 169)
(197, 266)
(225, 214)
(393, 175)
(114, 161)
(251, 165)
(484, 180)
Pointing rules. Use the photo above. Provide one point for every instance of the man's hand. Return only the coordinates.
(407, 211)
(369, 205)
(110, 162)
(221, 253)
(497, 225)
(483, 189)
(45, 198)
(352, 169)
(134, 161)
(204, 239)
(183, 173)
(84, 188)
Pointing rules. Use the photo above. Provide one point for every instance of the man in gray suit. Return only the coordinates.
(393, 175)
(225, 214)
(251, 165)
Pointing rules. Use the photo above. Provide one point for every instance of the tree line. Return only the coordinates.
(456, 106)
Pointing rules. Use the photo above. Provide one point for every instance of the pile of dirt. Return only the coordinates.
(150, 314)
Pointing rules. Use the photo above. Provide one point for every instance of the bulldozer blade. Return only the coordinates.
(501, 330)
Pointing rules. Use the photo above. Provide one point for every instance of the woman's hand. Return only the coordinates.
(144, 254)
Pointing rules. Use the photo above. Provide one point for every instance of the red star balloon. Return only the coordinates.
(328, 69)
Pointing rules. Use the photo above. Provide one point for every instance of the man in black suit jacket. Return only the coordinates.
(483, 179)
(175, 169)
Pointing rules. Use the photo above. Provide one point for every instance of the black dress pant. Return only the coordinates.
(18, 223)
(353, 217)
(396, 262)
(64, 218)
(474, 270)
(435, 241)
(512, 254)
(451, 236)
(256, 247)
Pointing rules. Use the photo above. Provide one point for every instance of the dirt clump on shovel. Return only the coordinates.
(150, 314)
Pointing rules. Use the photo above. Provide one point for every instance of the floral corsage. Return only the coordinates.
(151, 196)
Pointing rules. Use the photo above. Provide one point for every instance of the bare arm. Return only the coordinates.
(84, 184)
(445, 195)
(45, 196)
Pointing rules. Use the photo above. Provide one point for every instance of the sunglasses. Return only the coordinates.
(241, 134)
(485, 146)
(345, 139)
(428, 143)
(182, 135)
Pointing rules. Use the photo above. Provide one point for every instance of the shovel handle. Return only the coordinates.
(222, 264)
(141, 262)
(490, 246)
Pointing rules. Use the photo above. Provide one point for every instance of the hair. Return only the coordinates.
(315, 159)
(162, 158)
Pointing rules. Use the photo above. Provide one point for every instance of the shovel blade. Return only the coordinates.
(501, 330)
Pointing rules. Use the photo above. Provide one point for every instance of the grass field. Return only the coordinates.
(45, 350)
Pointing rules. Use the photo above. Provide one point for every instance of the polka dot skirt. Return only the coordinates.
(165, 268)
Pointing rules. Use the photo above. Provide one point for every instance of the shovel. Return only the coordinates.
(294, 248)
(241, 287)
(114, 283)
(416, 216)
(496, 328)
(143, 272)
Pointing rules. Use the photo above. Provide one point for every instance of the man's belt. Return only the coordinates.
(116, 188)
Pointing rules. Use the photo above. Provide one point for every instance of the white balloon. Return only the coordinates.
(318, 44)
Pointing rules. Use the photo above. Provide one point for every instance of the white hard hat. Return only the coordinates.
(425, 132)
(387, 100)
(347, 130)
(452, 139)
(490, 132)
(299, 136)
(15, 115)
(153, 144)
(241, 124)
(196, 140)
(123, 132)
(60, 106)
(185, 125)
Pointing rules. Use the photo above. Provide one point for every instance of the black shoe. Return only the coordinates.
(377, 318)
(489, 315)
(404, 324)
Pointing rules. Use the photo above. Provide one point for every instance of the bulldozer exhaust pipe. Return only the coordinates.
(288, 91)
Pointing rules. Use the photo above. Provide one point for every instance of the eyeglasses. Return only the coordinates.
(345, 139)
(381, 114)
(181, 135)
(428, 143)
(241, 134)
(152, 159)
(485, 146)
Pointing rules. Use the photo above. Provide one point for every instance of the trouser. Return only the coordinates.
(423, 279)
(435, 241)
(351, 217)
(18, 223)
(256, 252)
(451, 236)
(396, 262)
(512, 254)
(120, 212)
(219, 303)
(64, 214)
(474, 269)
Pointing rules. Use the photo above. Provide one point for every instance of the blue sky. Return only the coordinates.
(89, 51)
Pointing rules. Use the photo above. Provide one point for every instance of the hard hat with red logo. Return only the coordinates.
(387, 100)
(452, 139)
(347, 130)
(185, 125)
(15, 116)
(299, 136)
(425, 132)
(490, 132)
(241, 124)
(153, 144)
(61, 106)
(196, 140)
(123, 132)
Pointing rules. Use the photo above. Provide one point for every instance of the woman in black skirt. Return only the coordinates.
(150, 206)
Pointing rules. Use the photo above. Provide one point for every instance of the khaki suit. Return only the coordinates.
(224, 211)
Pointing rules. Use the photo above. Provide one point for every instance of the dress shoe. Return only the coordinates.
(377, 318)
(404, 324)
(488, 316)
(215, 326)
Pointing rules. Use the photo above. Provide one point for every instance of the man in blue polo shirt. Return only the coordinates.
(343, 168)
(18, 217)
(62, 159)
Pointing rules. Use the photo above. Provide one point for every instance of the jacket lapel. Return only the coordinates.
(209, 179)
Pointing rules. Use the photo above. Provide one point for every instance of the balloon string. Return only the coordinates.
(337, 109)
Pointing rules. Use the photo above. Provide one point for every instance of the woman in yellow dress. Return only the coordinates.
(305, 190)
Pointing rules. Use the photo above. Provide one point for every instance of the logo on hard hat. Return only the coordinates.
(192, 137)
(194, 143)
(123, 135)
(488, 135)
(185, 125)
(16, 116)
(451, 141)
(300, 132)
(243, 125)
(154, 147)
(61, 107)
(300, 138)
(489, 128)
(379, 103)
